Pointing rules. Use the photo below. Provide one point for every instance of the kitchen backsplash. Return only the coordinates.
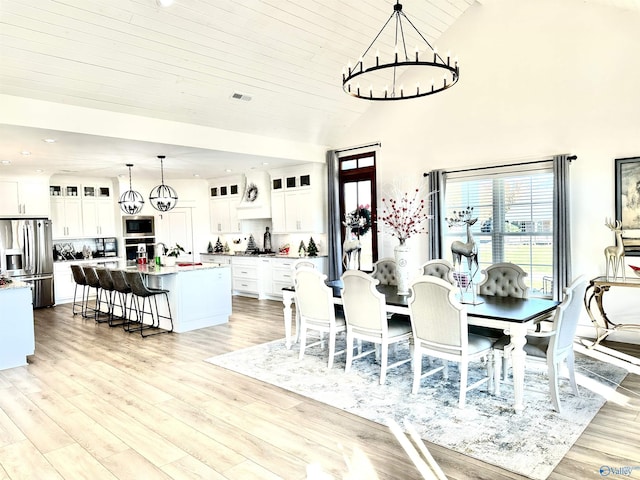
(78, 249)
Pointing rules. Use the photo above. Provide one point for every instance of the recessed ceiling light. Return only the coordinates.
(49, 140)
(196, 174)
(265, 163)
(5, 162)
(39, 170)
(165, 3)
(228, 170)
(25, 152)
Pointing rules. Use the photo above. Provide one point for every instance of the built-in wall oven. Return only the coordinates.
(134, 246)
(139, 236)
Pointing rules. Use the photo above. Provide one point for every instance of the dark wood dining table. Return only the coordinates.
(515, 316)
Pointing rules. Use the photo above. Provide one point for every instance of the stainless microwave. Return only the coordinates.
(138, 226)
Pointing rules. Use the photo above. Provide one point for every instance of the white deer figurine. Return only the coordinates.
(351, 248)
(467, 249)
(614, 254)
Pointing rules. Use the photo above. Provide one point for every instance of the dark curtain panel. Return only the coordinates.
(561, 226)
(436, 201)
(334, 240)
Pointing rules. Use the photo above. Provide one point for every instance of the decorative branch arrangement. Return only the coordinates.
(405, 216)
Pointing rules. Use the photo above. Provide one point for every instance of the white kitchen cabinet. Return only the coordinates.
(224, 198)
(244, 272)
(264, 276)
(17, 339)
(282, 272)
(215, 258)
(298, 203)
(24, 197)
(66, 217)
(82, 210)
(98, 218)
(63, 283)
(224, 215)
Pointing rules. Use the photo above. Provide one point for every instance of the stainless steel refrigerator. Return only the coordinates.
(26, 254)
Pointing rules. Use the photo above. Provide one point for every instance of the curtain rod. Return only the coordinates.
(357, 147)
(570, 158)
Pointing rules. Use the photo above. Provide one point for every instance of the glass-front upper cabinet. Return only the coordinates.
(64, 190)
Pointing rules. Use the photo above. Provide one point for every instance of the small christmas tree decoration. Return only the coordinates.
(251, 244)
(218, 248)
(209, 248)
(302, 250)
(312, 249)
(226, 247)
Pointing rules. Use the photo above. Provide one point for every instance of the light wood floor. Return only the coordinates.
(97, 403)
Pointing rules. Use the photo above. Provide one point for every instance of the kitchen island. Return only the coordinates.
(17, 339)
(199, 295)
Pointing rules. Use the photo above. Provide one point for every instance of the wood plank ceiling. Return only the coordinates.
(186, 62)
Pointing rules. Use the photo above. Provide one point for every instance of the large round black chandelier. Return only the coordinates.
(162, 197)
(376, 76)
(131, 202)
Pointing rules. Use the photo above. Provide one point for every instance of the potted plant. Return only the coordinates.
(171, 255)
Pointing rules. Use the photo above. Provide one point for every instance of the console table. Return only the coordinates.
(595, 291)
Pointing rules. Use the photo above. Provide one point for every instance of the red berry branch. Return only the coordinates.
(405, 216)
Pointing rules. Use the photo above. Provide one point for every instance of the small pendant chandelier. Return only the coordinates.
(377, 73)
(162, 197)
(131, 202)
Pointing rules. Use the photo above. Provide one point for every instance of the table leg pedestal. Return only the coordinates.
(287, 300)
(518, 359)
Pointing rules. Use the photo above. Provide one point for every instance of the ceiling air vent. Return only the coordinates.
(241, 96)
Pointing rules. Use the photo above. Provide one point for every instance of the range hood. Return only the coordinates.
(256, 200)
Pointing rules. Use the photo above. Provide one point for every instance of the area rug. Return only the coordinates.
(530, 443)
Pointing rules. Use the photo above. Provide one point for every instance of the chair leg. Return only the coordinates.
(464, 373)
(417, 368)
(552, 368)
(572, 373)
(302, 335)
(497, 367)
(332, 347)
(384, 347)
(349, 359)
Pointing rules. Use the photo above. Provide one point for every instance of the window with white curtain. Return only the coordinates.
(514, 210)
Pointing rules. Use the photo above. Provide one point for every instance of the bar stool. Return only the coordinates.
(140, 291)
(107, 289)
(92, 282)
(80, 280)
(123, 290)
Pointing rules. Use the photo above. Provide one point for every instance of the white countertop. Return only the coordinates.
(15, 284)
(155, 270)
(263, 255)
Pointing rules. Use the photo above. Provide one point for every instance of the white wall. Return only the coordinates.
(537, 78)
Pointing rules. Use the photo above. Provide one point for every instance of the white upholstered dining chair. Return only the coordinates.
(384, 270)
(440, 330)
(553, 346)
(317, 311)
(439, 268)
(366, 316)
(504, 279)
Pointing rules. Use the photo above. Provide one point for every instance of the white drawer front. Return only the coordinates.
(244, 271)
(245, 285)
(282, 276)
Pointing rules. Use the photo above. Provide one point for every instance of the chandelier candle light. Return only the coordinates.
(131, 202)
(381, 75)
(162, 197)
